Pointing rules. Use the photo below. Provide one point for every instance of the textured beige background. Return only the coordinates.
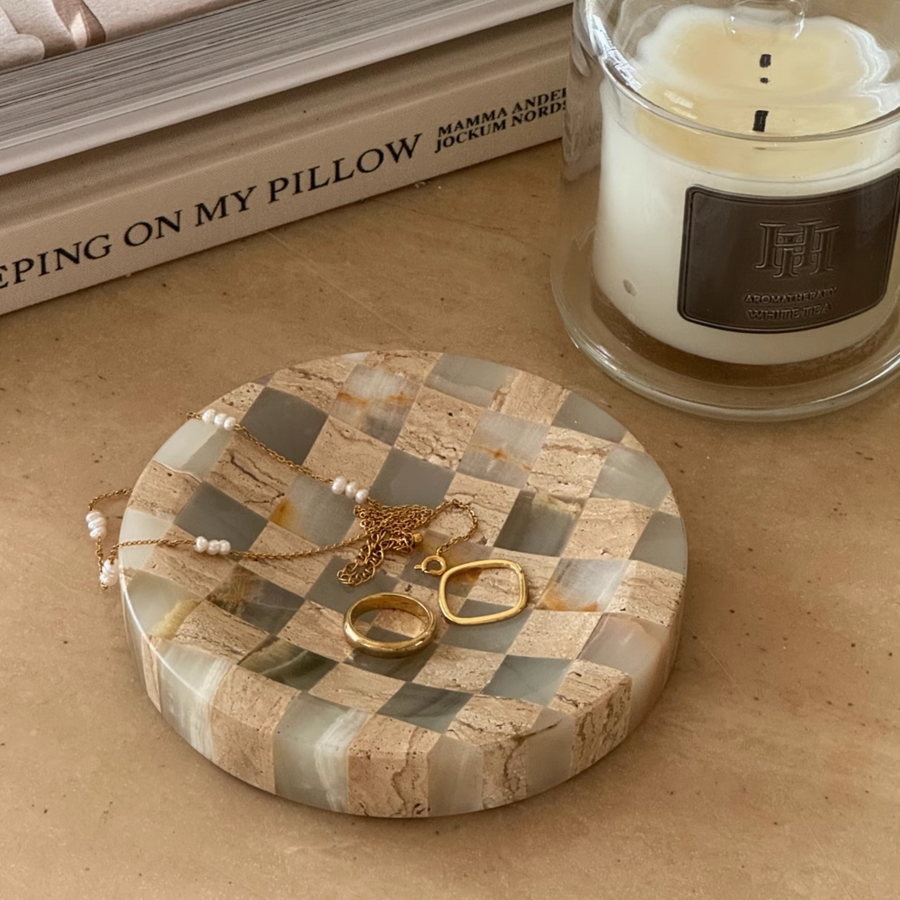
(771, 767)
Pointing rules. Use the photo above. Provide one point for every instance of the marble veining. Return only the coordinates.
(247, 661)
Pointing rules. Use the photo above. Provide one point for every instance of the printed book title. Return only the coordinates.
(210, 212)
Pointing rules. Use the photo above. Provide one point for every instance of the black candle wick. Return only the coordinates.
(759, 122)
(765, 61)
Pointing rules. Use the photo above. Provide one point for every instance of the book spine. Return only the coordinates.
(307, 172)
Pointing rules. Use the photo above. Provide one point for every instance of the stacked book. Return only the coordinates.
(123, 147)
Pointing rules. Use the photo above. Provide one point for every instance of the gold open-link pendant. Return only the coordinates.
(436, 565)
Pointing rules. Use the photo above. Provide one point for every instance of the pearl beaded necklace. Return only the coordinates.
(341, 485)
(384, 527)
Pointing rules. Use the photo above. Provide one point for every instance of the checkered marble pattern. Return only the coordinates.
(247, 660)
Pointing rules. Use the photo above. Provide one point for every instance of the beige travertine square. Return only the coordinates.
(319, 629)
(163, 492)
(598, 698)
(394, 563)
(210, 628)
(459, 668)
(357, 688)
(569, 463)
(244, 714)
(484, 717)
(388, 768)
(530, 397)
(318, 382)
(670, 506)
(412, 364)
(607, 528)
(251, 476)
(295, 575)
(401, 622)
(495, 585)
(490, 501)
(198, 572)
(499, 585)
(553, 633)
(498, 725)
(341, 449)
(630, 441)
(438, 428)
(650, 593)
(406, 623)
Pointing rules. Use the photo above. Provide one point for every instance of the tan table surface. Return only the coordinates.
(771, 766)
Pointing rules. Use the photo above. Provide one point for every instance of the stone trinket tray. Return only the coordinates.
(247, 660)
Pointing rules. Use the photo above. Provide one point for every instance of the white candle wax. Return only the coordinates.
(822, 79)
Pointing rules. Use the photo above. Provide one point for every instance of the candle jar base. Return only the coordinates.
(706, 387)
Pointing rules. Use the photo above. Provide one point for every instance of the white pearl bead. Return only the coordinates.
(229, 423)
(224, 548)
(351, 489)
(219, 419)
(94, 516)
(106, 580)
(362, 495)
(110, 567)
(98, 531)
(213, 548)
(201, 544)
(208, 416)
(339, 484)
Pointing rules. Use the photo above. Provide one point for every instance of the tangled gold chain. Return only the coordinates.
(296, 467)
(384, 528)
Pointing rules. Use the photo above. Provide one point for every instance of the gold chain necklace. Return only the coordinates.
(384, 528)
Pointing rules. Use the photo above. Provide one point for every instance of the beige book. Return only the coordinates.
(126, 206)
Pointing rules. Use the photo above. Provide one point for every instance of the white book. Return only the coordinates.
(126, 206)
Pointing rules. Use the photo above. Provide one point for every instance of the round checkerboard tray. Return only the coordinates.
(247, 660)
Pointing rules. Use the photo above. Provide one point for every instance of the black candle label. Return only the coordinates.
(764, 264)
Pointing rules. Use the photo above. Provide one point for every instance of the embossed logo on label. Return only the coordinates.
(807, 249)
(764, 264)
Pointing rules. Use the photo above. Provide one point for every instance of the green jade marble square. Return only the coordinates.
(427, 707)
(663, 544)
(216, 516)
(503, 449)
(631, 475)
(404, 480)
(530, 678)
(256, 600)
(285, 423)
(494, 637)
(579, 414)
(328, 591)
(283, 662)
(585, 585)
(539, 524)
(472, 380)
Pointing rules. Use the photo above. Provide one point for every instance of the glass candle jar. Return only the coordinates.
(731, 197)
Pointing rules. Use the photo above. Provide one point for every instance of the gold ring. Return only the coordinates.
(389, 649)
